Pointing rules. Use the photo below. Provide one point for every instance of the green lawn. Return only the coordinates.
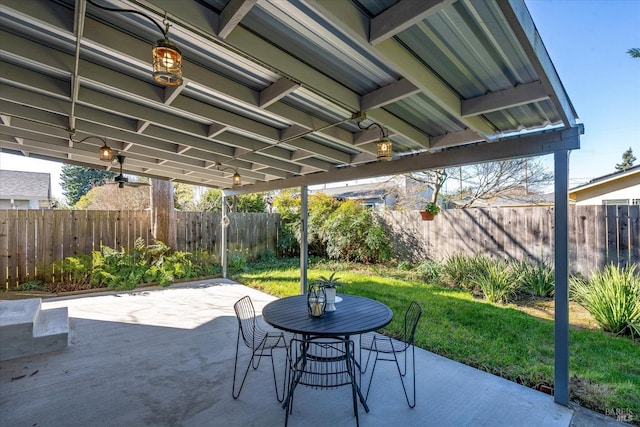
(605, 369)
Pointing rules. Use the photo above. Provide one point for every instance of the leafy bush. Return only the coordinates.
(612, 297)
(237, 260)
(351, 233)
(148, 263)
(288, 206)
(536, 279)
(116, 269)
(497, 282)
(32, 285)
(74, 270)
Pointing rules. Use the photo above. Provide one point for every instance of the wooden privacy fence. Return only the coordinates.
(598, 235)
(31, 241)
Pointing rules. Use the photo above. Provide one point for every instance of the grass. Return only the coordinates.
(502, 340)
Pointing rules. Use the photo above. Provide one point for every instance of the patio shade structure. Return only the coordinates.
(280, 92)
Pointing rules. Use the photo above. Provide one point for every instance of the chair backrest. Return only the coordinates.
(247, 321)
(322, 362)
(411, 318)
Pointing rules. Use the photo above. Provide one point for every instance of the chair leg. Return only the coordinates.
(279, 397)
(354, 387)
(402, 377)
(373, 371)
(235, 369)
(364, 370)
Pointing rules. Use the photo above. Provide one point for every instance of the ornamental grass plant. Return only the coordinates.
(612, 297)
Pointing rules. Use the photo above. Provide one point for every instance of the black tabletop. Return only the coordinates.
(353, 315)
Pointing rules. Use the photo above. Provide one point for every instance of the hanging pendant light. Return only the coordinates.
(167, 58)
(167, 63)
(237, 179)
(385, 149)
(106, 153)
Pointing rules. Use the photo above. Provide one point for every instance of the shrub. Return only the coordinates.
(535, 279)
(116, 269)
(429, 271)
(461, 271)
(405, 265)
(74, 270)
(31, 285)
(351, 233)
(237, 260)
(497, 282)
(612, 297)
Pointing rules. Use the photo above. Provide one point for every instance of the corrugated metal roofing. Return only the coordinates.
(273, 91)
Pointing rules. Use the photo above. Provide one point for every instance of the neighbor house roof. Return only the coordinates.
(25, 185)
(631, 176)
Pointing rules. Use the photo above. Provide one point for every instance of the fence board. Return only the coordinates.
(612, 232)
(4, 247)
(623, 235)
(634, 235)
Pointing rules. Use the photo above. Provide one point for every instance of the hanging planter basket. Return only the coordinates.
(427, 216)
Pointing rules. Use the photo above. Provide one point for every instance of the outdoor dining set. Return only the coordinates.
(325, 349)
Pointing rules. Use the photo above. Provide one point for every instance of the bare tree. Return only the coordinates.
(509, 179)
(434, 178)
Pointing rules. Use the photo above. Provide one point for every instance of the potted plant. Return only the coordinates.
(329, 284)
(431, 209)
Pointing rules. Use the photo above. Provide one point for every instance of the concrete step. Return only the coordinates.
(17, 317)
(25, 329)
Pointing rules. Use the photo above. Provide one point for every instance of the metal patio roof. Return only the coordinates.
(271, 86)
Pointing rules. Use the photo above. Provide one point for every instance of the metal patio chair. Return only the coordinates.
(262, 342)
(321, 363)
(388, 349)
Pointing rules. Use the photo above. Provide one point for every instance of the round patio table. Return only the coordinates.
(353, 315)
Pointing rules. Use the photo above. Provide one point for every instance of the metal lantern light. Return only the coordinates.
(106, 153)
(385, 149)
(167, 58)
(167, 63)
(316, 301)
(385, 146)
(237, 179)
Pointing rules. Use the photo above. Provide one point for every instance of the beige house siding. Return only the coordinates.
(625, 186)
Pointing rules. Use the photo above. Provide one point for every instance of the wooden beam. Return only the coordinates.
(388, 94)
(401, 16)
(508, 98)
(455, 138)
(232, 14)
(522, 146)
(276, 91)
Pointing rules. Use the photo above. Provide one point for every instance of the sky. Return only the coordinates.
(587, 41)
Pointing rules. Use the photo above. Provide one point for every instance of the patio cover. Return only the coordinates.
(271, 87)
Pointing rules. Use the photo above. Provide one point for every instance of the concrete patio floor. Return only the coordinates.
(164, 357)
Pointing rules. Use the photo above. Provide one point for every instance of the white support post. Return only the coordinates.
(304, 248)
(223, 236)
(561, 371)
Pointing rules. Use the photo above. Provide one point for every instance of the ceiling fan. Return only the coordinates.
(122, 180)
